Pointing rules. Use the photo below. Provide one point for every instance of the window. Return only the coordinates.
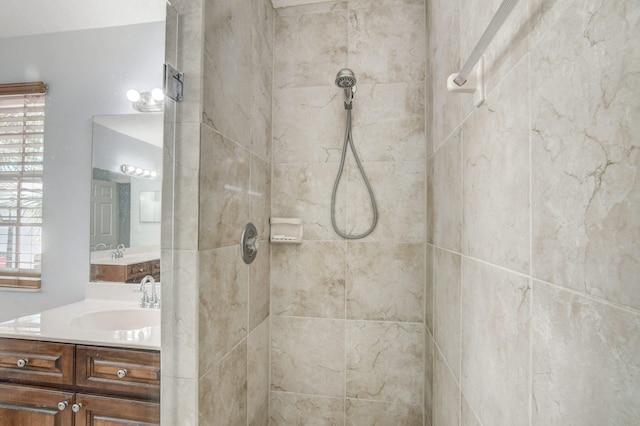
(21, 166)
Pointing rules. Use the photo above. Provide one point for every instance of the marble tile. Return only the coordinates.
(189, 60)
(586, 161)
(385, 281)
(258, 343)
(180, 316)
(224, 180)
(304, 191)
(227, 68)
(495, 343)
(387, 42)
(307, 356)
(467, 416)
(262, 71)
(385, 361)
(295, 409)
(445, 194)
(374, 413)
(259, 194)
(586, 360)
(443, 22)
(399, 189)
(185, 197)
(308, 125)
(223, 303)
(446, 394)
(388, 122)
(179, 401)
(259, 285)
(429, 347)
(223, 390)
(544, 16)
(310, 48)
(446, 295)
(496, 218)
(429, 287)
(309, 279)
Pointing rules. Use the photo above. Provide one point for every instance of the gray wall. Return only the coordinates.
(88, 73)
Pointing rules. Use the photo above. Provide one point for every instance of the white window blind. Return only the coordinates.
(21, 167)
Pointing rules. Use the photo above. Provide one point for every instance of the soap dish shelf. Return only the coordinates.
(287, 230)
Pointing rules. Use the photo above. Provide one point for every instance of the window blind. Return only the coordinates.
(21, 166)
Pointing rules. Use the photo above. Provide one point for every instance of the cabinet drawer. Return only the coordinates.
(122, 371)
(35, 361)
(139, 269)
(30, 405)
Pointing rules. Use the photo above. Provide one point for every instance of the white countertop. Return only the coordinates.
(56, 324)
(131, 256)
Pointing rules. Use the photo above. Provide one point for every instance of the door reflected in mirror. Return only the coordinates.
(126, 196)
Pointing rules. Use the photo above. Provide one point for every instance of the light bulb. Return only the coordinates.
(146, 173)
(138, 171)
(157, 94)
(133, 95)
(154, 174)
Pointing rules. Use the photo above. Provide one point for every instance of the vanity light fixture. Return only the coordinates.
(128, 169)
(146, 101)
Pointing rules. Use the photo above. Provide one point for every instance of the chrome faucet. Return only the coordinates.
(147, 301)
(119, 252)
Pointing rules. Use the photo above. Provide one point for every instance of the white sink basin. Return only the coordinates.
(116, 320)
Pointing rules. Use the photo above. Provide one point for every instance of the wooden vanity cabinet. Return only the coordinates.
(125, 273)
(75, 385)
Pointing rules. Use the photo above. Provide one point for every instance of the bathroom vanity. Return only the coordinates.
(89, 363)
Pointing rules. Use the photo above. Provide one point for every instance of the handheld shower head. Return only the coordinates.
(346, 80)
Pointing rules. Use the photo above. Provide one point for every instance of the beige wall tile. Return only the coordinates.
(399, 189)
(429, 347)
(224, 180)
(259, 193)
(467, 416)
(258, 343)
(586, 360)
(308, 125)
(446, 295)
(223, 390)
(295, 409)
(223, 304)
(374, 413)
(496, 176)
(495, 343)
(445, 192)
(387, 42)
(309, 279)
(179, 399)
(307, 356)
(259, 285)
(310, 48)
(304, 191)
(385, 361)
(227, 67)
(446, 393)
(385, 281)
(388, 122)
(429, 287)
(586, 162)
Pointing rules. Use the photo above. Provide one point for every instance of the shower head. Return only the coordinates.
(346, 80)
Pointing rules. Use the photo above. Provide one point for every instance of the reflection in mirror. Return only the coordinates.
(125, 195)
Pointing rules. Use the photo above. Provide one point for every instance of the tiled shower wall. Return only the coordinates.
(347, 317)
(215, 350)
(534, 231)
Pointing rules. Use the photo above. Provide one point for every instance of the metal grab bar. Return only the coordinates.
(496, 22)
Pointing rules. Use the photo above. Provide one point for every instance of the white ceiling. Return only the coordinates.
(145, 127)
(29, 17)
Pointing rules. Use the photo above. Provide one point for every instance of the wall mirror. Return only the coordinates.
(126, 188)
(89, 54)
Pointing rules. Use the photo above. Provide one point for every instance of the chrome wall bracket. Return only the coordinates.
(249, 243)
(173, 81)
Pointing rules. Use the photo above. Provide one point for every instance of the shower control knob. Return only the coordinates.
(122, 373)
(22, 362)
(62, 405)
(76, 407)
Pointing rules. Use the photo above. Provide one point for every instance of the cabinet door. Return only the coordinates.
(32, 406)
(107, 411)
